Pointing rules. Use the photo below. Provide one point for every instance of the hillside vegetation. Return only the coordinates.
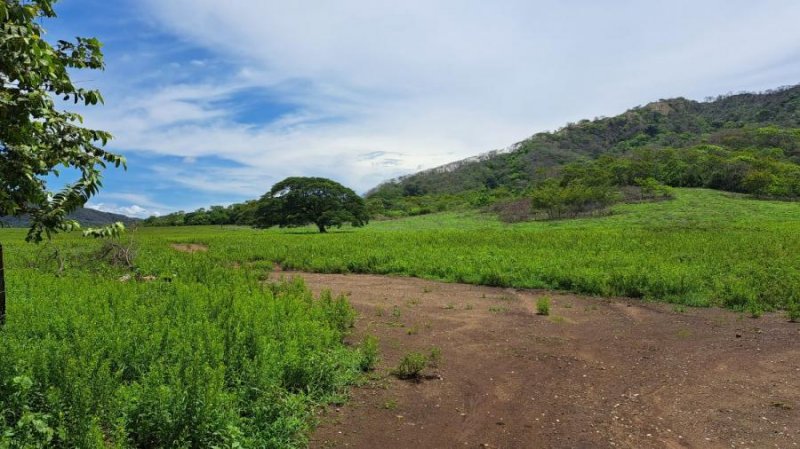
(746, 143)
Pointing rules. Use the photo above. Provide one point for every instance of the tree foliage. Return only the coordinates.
(299, 201)
(743, 121)
(37, 139)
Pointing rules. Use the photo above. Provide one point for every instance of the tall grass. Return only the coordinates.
(703, 248)
(202, 357)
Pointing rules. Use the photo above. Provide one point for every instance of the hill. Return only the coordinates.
(734, 122)
(745, 143)
(83, 215)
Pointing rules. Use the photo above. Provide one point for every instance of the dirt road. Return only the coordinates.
(595, 373)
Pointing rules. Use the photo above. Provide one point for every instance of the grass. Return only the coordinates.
(223, 358)
(411, 366)
(703, 248)
(543, 306)
(202, 356)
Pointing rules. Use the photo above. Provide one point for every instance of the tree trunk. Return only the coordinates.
(321, 227)
(2, 289)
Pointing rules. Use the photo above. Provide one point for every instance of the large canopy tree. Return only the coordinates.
(36, 138)
(299, 201)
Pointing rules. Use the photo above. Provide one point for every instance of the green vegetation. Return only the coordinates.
(186, 353)
(543, 306)
(369, 353)
(738, 122)
(413, 364)
(703, 248)
(299, 201)
(37, 139)
(222, 357)
(435, 357)
(295, 201)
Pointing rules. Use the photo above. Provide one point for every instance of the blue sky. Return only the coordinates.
(213, 102)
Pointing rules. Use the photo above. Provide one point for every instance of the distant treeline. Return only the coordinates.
(236, 214)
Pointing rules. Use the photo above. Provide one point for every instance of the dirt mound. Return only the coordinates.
(594, 373)
(189, 247)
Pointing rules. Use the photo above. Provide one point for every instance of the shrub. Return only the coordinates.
(338, 311)
(755, 309)
(411, 366)
(571, 200)
(543, 306)
(793, 310)
(369, 353)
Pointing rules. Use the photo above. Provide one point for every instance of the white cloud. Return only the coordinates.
(417, 83)
(130, 204)
(133, 210)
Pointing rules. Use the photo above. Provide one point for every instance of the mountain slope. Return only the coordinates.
(673, 123)
(83, 215)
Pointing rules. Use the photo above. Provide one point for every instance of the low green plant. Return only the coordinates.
(679, 308)
(543, 306)
(793, 311)
(411, 366)
(755, 309)
(369, 353)
(434, 357)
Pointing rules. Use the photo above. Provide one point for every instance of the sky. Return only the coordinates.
(213, 102)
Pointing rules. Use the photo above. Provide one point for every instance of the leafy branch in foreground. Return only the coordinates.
(36, 139)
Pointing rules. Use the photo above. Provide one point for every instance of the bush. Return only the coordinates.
(411, 366)
(793, 311)
(543, 306)
(572, 200)
(369, 353)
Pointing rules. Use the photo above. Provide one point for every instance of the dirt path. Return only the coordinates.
(596, 373)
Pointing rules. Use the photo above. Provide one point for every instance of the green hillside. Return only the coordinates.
(746, 143)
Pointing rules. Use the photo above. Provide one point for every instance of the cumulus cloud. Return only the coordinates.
(376, 89)
(130, 204)
(133, 210)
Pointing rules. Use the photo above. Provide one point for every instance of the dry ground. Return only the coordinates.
(596, 373)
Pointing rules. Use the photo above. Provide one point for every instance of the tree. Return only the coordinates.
(36, 139)
(298, 201)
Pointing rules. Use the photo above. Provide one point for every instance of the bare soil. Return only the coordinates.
(596, 373)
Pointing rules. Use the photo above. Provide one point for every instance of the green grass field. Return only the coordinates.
(209, 355)
(703, 248)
